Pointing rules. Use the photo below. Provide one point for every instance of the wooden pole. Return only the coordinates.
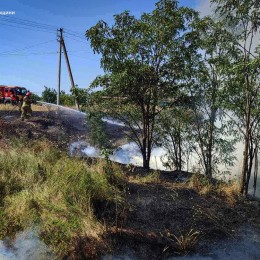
(69, 68)
(59, 69)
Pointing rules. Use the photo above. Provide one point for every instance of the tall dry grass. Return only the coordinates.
(227, 190)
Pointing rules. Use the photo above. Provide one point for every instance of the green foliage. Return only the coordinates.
(49, 95)
(144, 60)
(35, 97)
(98, 135)
(66, 99)
(241, 85)
(44, 187)
(175, 133)
(81, 96)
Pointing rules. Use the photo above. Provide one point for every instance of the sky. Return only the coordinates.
(29, 46)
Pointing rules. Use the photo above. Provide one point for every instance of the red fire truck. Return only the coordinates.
(12, 94)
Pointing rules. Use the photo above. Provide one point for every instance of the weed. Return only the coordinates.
(184, 243)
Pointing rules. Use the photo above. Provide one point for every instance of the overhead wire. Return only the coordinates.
(22, 23)
(27, 23)
(27, 54)
(28, 28)
(75, 39)
(25, 48)
(36, 26)
(39, 53)
(74, 35)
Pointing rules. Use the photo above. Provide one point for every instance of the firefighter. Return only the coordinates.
(26, 106)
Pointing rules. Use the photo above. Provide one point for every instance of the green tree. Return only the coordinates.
(213, 143)
(176, 136)
(242, 18)
(66, 99)
(144, 61)
(49, 95)
(98, 134)
(35, 97)
(81, 97)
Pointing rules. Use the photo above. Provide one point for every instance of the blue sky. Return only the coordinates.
(29, 52)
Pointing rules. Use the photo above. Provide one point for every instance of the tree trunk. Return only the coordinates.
(247, 139)
(245, 159)
(256, 169)
(250, 165)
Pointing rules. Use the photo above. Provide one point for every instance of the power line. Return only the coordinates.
(28, 28)
(73, 31)
(27, 54)
(40, 53)
(40, 27)
(75, 39)
(22, 23)
(25, 48)
(75, 35)
(27, 23)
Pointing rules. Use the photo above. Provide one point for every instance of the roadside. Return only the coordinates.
(164, 214)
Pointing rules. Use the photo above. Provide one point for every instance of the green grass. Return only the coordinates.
(43, 187)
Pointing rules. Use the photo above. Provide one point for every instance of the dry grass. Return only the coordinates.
(7, 107)
(184, 243)
(200, 184)
(152, 177)
(35, 107)
(229, 191)
(42, 108)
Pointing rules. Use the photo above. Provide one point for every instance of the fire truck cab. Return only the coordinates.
(12, 94)
(20, 92)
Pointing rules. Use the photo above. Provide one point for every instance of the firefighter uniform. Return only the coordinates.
(26, 106)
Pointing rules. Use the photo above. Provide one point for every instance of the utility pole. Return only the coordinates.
(59, 69)
(69, 70)
(63, 47)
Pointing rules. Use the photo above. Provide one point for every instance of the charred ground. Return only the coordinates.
(159, 213)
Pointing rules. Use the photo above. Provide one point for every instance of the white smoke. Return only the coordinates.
(26, 246)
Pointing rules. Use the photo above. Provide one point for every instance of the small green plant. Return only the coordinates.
(106, 153)
(184, 243)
